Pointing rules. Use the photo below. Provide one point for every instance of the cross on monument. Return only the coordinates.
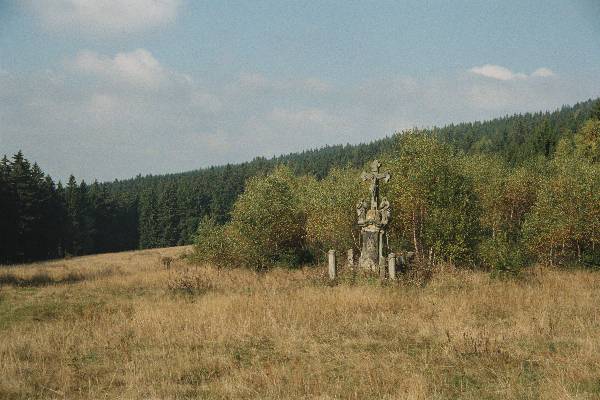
(373, 221)
(374, 176)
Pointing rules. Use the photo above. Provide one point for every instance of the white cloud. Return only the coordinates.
(504, 74)
(497, 72)
(104, 16)
(543, 73)
(138, 67)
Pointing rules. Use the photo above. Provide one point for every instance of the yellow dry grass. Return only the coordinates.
(121, 326)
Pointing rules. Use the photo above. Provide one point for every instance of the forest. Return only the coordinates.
(499, 193)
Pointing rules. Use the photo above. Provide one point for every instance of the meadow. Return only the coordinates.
(121, 326)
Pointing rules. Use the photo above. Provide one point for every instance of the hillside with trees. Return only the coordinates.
(496, 192)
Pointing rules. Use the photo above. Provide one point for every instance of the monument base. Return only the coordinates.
(370, 254)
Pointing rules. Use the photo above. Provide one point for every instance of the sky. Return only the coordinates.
(106, 89)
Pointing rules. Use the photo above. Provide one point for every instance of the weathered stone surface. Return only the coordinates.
(361, 212)
(384, 208)
(369, 255)
(332, 266)
(392, 266)
(374, 177)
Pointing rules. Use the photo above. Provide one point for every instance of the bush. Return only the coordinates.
(267, 227)
(330, 206)
(564, 223)
(434, 207)
(502, 256)
(210, 242)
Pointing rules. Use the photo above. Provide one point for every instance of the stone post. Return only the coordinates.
(382, 268)
(350, 259)
(332, 271)
(392, 266)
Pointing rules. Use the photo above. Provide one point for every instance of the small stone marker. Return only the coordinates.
(382, 268)
(392, 266)
(350, 259)
(332, 271)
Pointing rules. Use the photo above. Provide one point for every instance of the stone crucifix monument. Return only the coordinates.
(373, 220)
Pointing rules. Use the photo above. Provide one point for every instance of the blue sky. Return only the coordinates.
(109, 88)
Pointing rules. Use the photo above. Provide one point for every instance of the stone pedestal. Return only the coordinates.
(371, 241)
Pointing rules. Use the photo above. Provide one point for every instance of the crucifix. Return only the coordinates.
(374, 177)
(373, 221)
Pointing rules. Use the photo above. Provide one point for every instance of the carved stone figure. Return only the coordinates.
(361, 211)
(374, 177)
(384, 208)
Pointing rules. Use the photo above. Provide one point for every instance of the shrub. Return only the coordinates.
(564, 223)
(503, 256)
(267, 226)
(210, 242)
(330, 206)
(434, 207)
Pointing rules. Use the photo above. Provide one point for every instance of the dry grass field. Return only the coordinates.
(121, 326)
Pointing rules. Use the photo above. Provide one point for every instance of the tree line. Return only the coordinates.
(41, 219)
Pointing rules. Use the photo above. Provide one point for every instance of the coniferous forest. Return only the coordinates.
(536, 161)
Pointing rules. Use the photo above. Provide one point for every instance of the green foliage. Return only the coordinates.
(330, 208)
(564, 223)
(595, 114)
(502, 255)
(30, 212)
(446, 206)
(453, 187)
(434, 206)
(211, 244)
(505, 194)
(267, 226)
(587, 141)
